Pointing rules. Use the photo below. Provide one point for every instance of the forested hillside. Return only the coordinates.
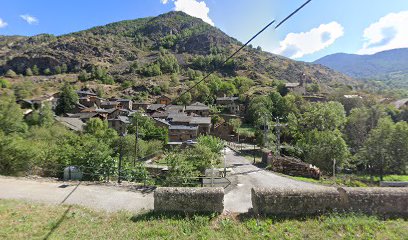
(388, 66)
(153, 53)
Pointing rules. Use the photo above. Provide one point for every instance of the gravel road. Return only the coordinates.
(243, 177)
(92, 196)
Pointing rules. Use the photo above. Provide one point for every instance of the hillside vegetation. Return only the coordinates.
(173, 48)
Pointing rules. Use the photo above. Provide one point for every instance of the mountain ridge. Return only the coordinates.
(389, 66)
(129, 47)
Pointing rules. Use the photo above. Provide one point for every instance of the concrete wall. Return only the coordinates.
(189, 200)
(285, 202)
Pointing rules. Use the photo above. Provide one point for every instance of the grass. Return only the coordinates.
(350, 180)
(246, 130)
(22, 220)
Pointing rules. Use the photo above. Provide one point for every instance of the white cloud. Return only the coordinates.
(297, 45)
(193, 8)
(29, 19)
(388, 32)
(2, 23)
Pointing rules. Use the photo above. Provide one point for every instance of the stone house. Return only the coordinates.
(203, 124)
(181, 133)
(230, 103)
(120, 124)
(152, 108)
(85, 116)
(161, 123)
(74, 124)
(82, 93)
(125, 104)
(201, 110)
(140, 106)
(163, 100)
(110, 104)
(90, 101)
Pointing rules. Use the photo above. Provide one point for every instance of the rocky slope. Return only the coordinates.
(124, 48)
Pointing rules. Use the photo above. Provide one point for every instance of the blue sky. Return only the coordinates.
(323, 27)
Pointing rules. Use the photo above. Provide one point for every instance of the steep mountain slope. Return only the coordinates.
(128, 50)
(389, 65)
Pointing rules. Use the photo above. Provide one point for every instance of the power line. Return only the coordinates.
(230, 57)
(293, 13)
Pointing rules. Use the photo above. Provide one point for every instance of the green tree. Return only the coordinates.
(4, 83)
(100, 130)
(57, 70)
(357, 128)
(16, 154)
(35, 70)
(259, 107)
(83, 76)
(184, 99)
(181, 171)
(67, 100)
(11, 116)
(235, 123)
(398, 148)
(321, 148)
(64, 68)
(29, 72)
(47, 71)
(313, 88)
(10, 73)
(46, 116)
(213, 143)
(174, 80)
(375, 153)
(147, 128)
(324, 116)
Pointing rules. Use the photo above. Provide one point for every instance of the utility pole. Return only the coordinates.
(225, 160)
(136, 143)
(265, 132)
(120, 157)
(254, 152)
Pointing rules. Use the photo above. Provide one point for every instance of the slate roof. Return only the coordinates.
(182, 127)
(227, 98)
(400, 103)
(162, 121)
(197, 108)
(154, 107)
(84, 115)
(72, 123)
(200, 120)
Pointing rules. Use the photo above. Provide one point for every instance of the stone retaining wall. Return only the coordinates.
(382, 201)
(294, 202)
(298, 202)
(189, 200)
